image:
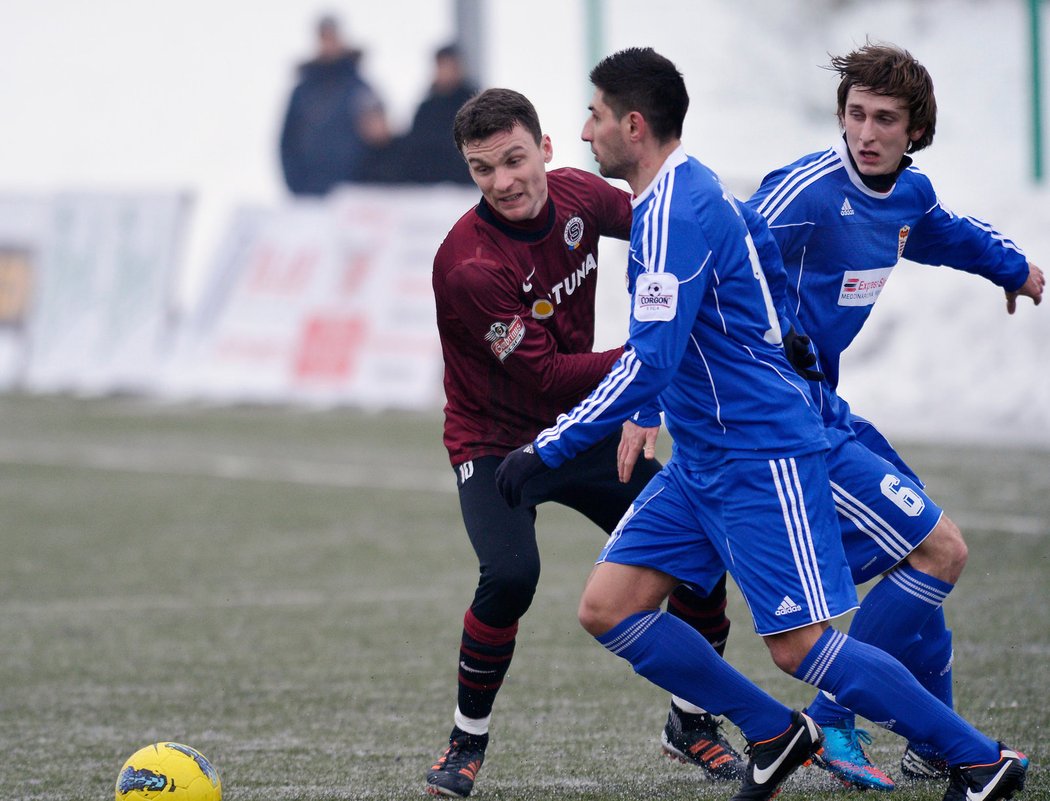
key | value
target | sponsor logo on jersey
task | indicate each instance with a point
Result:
(862, 287)
(574, 232)
(847, 209)
(655, 297)
(574, 280)
(504, 338)
(542, 308)
(902, 239)
(787, 606)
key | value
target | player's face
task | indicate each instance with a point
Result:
(876, 129)
(605, 133)
(510, 169)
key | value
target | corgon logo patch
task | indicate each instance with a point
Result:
(655, 297)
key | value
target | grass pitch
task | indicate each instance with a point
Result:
(283, 590)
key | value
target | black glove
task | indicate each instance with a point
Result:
(516, 468)
(801, 356)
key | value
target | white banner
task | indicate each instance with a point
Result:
(325, 302)
(23, 227)
(101, 312)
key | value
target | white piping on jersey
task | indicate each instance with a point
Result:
(711, 382)
(627, 638)
(796, 522)
(655, 222)
(718, 306)
(819, 669)
(1006, 242)
(805, 395)
(914, 587)
(611, 387)
(795, 181)
(869, 523)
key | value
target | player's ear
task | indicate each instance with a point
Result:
(634, 125)
(548, 149)
(917, 134)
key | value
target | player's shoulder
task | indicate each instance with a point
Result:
(915, 179)
(570, 182)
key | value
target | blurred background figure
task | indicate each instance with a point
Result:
(335, 123)
(430, 155)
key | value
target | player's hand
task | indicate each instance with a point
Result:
(801, 355)
(516, 468)
(1032, 288)
(634, 439)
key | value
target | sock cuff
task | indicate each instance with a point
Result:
(475, 726)
(484, 633)
(920, 585)
(623, 635)
(814, 668)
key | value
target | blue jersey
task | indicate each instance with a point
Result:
(840, 241)
(705, 334)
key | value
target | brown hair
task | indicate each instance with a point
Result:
(889, 70)
(494, 111)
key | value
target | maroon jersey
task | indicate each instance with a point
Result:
(515, 312)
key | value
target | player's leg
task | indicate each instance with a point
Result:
(621, 608)
(886, 517)
(592, 487)
(504, 541)
(798, 556)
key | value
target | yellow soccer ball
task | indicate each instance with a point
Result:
(168, 771)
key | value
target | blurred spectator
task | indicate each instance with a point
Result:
(429, 152)
(335, 121)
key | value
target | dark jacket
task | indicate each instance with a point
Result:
(321, 143)
(430, 154)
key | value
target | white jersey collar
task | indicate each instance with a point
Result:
(842, 150)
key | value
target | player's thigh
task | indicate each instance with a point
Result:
(503, 538)
(660, 531)
(871, 438)
(883, 513)
(778, 531)
(590, 484)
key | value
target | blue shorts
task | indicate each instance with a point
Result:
(771, 523)
(883, 510)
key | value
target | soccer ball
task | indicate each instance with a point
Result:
(168, 771)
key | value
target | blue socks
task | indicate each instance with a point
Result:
(891, 617)
(877, 686)
(672, 655)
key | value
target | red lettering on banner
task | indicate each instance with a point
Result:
(275, 273)
(355, 270)
(328, 347)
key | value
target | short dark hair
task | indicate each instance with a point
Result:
(494, 111)
(640, 79)
(889, 70)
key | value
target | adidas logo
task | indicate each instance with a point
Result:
(847, 209)
(787, 606)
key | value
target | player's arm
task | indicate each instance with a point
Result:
(486, 298)
(972, 246)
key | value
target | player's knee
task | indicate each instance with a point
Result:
(790, 648)
(596, 615)
(943, 554)
(512, 590)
